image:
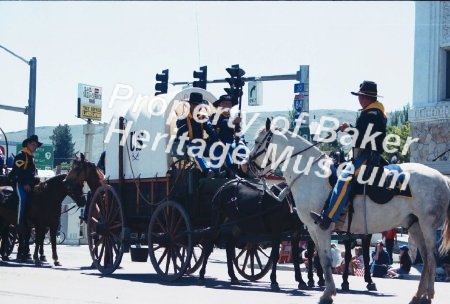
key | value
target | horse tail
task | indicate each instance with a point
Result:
(445, 245)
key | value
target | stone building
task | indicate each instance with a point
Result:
(430, 113)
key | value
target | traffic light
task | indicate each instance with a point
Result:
(201, 76)
(162, 85)
(236, 82)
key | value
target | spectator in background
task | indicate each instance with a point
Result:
(335, 257)
(405, 264)
(390, 239)
(380, 261)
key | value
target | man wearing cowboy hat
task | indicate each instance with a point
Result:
(226, 130)
(23, 177)
(371, 120)
(193, 127)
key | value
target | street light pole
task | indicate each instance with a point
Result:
(32, 97)
(30, 110)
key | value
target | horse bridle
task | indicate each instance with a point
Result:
(252, 165)
(267, 139)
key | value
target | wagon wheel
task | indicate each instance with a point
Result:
(253, 261)
(169, 241)
(198, 256)
(104, 227)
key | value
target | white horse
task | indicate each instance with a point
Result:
(423, 213)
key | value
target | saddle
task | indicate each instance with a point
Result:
(380, 194)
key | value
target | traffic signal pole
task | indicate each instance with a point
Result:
(252, 78)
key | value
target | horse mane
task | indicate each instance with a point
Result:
(50, 183)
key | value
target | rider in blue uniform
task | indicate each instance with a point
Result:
(371, 120)
(194, 130)
(226, 130)
(23, 177)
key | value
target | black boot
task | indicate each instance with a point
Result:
(324, 222)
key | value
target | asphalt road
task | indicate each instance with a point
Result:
(136, 282)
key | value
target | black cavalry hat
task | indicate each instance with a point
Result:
(30, 139)
(196, 98)
(367, 88)
(223, 98)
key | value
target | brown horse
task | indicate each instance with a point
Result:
(84, 171)
(44, 211)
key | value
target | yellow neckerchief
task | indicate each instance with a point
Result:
(189, 125)
(225, 114)
(27, 152)
(375, 105)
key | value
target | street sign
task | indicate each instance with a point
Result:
(89, 102)
(299, 87)
(255, 93)
(298, 105)
(43, 156)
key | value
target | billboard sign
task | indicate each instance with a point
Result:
(89, 102)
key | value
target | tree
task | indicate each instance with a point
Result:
(398, 124)
(62, 141)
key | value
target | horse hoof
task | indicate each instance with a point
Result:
(371, 287)
(37, 263)
(311, 283)
(5, 258)
(414, 300)
(326, 301)
(57, 263)
(303, 286)
(274, 286)
(425, 301)
(321, 283)
(345, 286)
(43, 258)
(235, 282)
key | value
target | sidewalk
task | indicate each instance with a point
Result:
(414, 273)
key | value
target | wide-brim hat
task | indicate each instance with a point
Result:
(367, 88)
(223, 98)
(404, 248)
(196, 98)
(32, 138)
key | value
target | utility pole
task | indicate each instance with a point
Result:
(29, 110)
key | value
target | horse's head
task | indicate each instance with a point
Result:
(84, 171)
(259, 150)
(75, 191)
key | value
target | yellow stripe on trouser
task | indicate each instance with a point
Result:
(343, 191)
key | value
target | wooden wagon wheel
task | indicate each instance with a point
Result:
(169, 240)
(253, 261)
(104, 227)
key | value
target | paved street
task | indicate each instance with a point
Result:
(74, 282)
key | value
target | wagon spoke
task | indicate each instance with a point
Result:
(262, 251)
(169, 256)
(164, 254)
(245, 260)
(258, 260)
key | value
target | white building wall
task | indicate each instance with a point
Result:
(430, 113)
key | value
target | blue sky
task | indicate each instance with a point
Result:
(103, 44)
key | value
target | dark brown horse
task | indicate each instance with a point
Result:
(84, 171)
(44, 210)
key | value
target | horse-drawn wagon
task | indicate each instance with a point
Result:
(155, 203)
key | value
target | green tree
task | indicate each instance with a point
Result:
(62, 141)
(398, 124)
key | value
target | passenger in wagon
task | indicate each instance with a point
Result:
(226, 131)
(193, 129)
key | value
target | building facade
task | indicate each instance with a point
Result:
(430, 113)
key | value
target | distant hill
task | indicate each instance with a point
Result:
(44, 133)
